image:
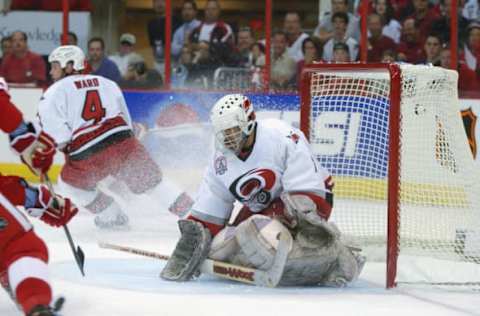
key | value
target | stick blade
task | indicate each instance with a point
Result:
(80, 260)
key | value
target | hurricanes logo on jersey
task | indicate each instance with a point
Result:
(254, 186)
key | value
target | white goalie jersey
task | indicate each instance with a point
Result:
(79, 111)
(280, 161)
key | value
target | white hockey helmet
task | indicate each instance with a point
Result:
(233, 120)
(68, 53)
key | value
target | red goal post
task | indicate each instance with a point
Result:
(374, 126)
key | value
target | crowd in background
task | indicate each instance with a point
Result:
(204, 45)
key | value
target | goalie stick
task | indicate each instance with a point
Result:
(265, 278)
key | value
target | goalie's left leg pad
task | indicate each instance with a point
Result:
(191, 250)
(347, 268)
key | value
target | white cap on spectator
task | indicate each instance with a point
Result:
(128, 38)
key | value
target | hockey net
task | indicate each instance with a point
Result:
(393, 138)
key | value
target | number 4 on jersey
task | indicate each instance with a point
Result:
(93, 109)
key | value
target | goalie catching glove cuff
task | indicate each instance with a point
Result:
(35, 148)
(52, 209)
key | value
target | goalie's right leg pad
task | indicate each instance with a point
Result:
(191, 250)
(257, 238)
(224, 245)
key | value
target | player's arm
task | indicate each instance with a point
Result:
(213, 206)
(35, 147)
(39, 201)
(308, 186)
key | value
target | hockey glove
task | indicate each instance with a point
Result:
(52, 209)
(36, 149)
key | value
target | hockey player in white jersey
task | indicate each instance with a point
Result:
(88, 118)
(267, 166)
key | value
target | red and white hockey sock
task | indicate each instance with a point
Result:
(28, 277)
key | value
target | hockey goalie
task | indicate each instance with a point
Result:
(267, 166)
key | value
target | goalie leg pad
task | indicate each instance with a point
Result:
(224, 245)
(257, 238)
(191, 250)
(347, 269)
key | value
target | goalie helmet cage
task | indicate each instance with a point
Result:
(393, 138)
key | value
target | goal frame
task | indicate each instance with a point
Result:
(393, 183)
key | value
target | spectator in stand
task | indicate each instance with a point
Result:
(200, 73)
(471, 9)
(156, 32)
(72, 38)
(389, 56)
(469, 61)
(401, 9)
(99, 63)
(312, 52)
(391, 27)
(445, 57)
(377, 42)
(341, 53)
(6, 44)
(190, 22)
(410, 48)
(424, 16)
(340, 22)
(23, 65)
(180, 71)
(441, 27)
(433, 48)
(138, 76)
(217, 33)
(293, 28)
(245, 41)
(125, 53)
(471, 51)
(258, 55)
(283, 66)
(324, 31)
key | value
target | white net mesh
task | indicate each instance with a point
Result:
(439, 193)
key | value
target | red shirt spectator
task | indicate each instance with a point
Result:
(312, 52)
(468, 79)
(469, 60)
(424, 16)
(378, 43)
(410, 48)
(22, 65)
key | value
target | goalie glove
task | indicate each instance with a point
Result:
(52, 209)
(36, 149)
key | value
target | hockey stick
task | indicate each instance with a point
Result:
(78, 254)
(266, 278)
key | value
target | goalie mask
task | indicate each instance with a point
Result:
(68, 53)
(233, 120)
